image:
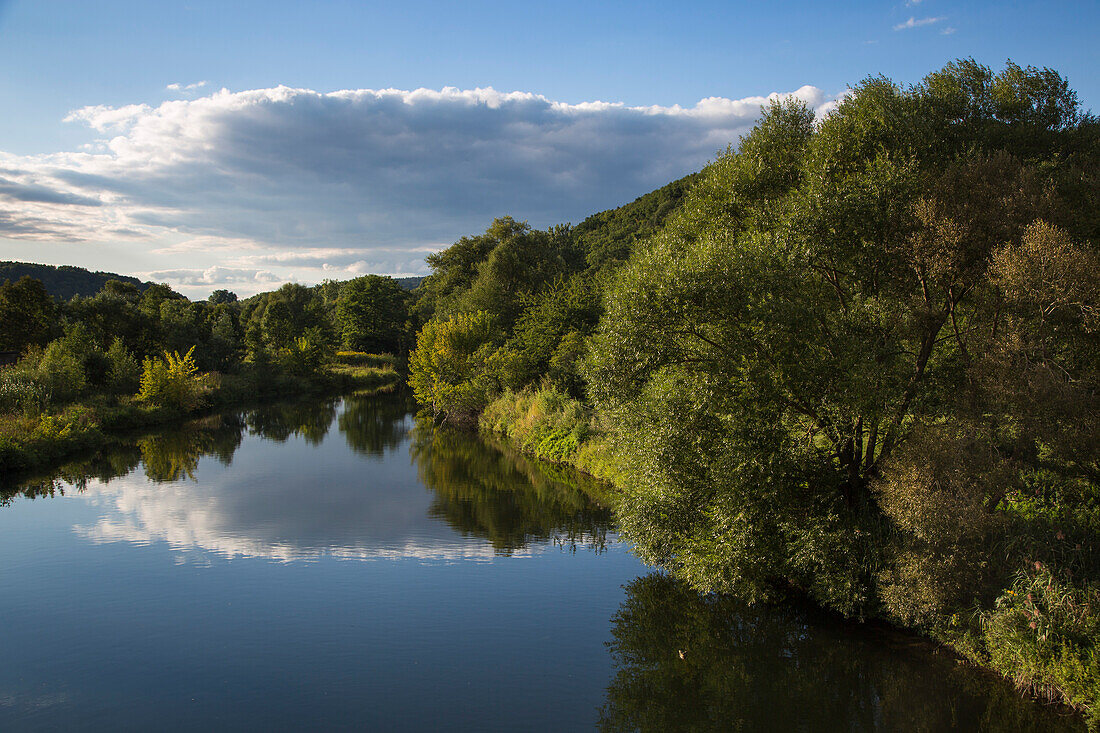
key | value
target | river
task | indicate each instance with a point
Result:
(331, 565)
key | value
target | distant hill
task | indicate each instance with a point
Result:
(409, 283)
(65, 281)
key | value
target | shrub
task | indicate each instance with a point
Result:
(1042, 633)
(123, 370)
(19, 390)
(546, 422)
(171, 382)
(303, 357)
(61, 371)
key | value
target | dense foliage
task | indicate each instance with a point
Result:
(371, 314)
(859, 360)
(541, 291)
(114, 359)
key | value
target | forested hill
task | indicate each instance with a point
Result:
(608, 237)
(65, 281)
(409, 283)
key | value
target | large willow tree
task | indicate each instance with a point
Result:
(915, 269)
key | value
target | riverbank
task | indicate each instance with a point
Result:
(224, 531)
(34, 441)
(1040, 633)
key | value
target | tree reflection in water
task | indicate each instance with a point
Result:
(687, 661)
(490, 491)
(481, 489)
(173, 455)
(373, 423)
(105, 466)
(309, 419)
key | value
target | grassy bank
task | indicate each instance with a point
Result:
(31, 439)
(552, 426)
(1039, 631)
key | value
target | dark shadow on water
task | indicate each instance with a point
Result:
(691, 662)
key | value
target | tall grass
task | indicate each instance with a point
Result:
(551, 425)
(1042, 633)
(360, 358)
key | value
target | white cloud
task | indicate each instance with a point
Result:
(917, 23)
(948, 31)
(342, 181)
(102, 118)
(178, 87)
(210, 518)
(827, 108)
(215, 275)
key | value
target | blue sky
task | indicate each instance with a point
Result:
(107, 166)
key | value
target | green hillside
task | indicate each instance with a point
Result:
(65, 281)
(608, 237)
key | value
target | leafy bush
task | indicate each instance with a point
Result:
(123, 370)
(171, 382)
(61, 370)
(303, 357)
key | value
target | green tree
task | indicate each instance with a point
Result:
(371, 314)
(115, 312)
(123, 371)
(447, 370)
(287, 313)
(219, 297)
(278, 324)
(27, 314)
(225, 342)
(497, 271)
(154, 295)
(824, 290)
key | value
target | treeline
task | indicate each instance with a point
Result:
(856, 358)
(366, 314)
(127, 356)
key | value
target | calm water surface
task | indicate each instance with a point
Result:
(331, 565)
